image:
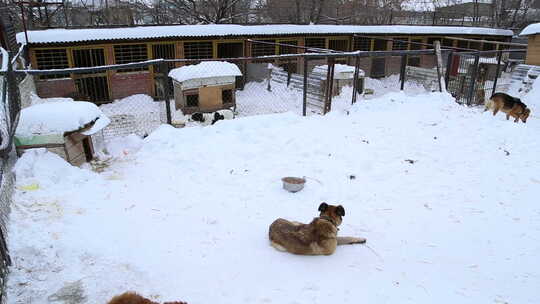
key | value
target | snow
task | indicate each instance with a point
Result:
(206, 69)
(224, 30)
(530, 29)
(57, 117)
(184, 213)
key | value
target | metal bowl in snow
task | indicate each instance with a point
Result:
(293, 184)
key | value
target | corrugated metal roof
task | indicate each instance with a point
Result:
(182, 31)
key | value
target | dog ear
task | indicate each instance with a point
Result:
(340, 210)
(323, 206)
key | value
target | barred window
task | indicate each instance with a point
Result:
(380, 45)
(130, 53)
(338, 45)
(319, 43)
(474, 45)
(448, 43)
(199, 50)
(416, 44)
(288, 49)
(49, 59)
(227, 96)
(192, 100)
(263, 49)
(489, 46)
(362, 44)
(400, 44)
(463, 44)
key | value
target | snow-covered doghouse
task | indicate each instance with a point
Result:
(205, 87)
(343, 76)
(65, 128)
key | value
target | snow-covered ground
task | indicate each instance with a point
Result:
(446, 195)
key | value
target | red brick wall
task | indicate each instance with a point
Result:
(55, 88)
(126, 84)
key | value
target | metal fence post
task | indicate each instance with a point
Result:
(438, 57)
(166, 86)
(499, 57)
(402, 71)
(304, 103)
(449, 63)
(356, 79)
(329, 85)
(473, 79)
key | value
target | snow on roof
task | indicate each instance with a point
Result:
(148, 32)
(60, 117)
(207, 69)
(338, 69)
(531, 29)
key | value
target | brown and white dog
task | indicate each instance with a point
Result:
(134, 298)
(512, 106)
(316, 238)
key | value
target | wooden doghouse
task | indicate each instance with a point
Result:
(64, 128)
(205, 87)
(343, 76)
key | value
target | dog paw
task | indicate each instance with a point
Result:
(358, 241)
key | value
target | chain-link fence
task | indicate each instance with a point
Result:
(472, 77)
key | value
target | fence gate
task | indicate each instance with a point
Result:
(314, 90)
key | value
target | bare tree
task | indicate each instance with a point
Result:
(208, 11)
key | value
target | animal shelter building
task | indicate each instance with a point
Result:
(532, 32)
(72, 48)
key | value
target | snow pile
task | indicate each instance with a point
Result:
(446, 196)
(532, 99)
(530, 29)
(47, 170)
(206, 69)
(137, 114)
(212, 30)
(57, 118)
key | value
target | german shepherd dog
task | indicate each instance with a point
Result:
(134, 298)
(510, 105)
(316, 238)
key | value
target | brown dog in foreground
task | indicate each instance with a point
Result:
(134, 298)
(510, 105)
(316, 238)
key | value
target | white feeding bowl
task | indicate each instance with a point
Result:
(293, 184)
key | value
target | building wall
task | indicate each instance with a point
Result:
(121, 85)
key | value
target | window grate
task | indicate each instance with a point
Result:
(319, 43)
(227, 96)
(129, 54)
(288, 49)
(339, 45)
(192, 100)
(49, 59)
(362, 44)
(400, 44)
(260, 49)
(198, 50)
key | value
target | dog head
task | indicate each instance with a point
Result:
(217, 116)
(525, 114)
(197, 117)
(335, 213)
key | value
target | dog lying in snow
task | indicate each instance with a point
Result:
(133, 298)
(512, 106)
(316, 238)
(211, 118)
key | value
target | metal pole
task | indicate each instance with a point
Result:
(166, 81)
(499, 57)
(304, 103)
(356, 79)
(449, 63)
(330, 85)
(24, 23)
(473, 79)
(403, 71)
